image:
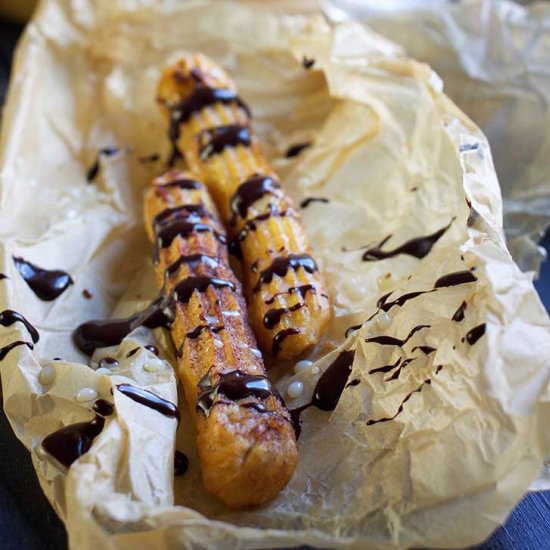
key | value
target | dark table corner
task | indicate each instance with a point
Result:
(27, 521)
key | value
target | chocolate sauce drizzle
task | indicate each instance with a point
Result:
(281, 265)
(384, 305)
(280, 337)
(103, 408)
(215, 140)
(149, 399)
(8, 317)
(132, 352)
(153, 349)
(6, 349)
(273, 317)
(93, 171)
(107, 363)
(194, 260)
(328, 389)
(160, 313)
(300, 291)
(175, 224)
(391, 341)
(306, 202)
(46, 284)
(181, 463)
(71, 442)
(181, 183)
(196, 332)
(419, 247)
(386, 368)
(201, 97)
(251, 191)
(451, 279)
(295, 150)
(233, 385)
(459, 314)
(251, 225)
(456, 278)
(401, 406)
(473, 335)
(110, 332)
(397, 372)
(424, 349)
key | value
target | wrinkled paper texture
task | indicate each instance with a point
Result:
(395, 157)
(494, 57)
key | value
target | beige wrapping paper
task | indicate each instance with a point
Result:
(395, 157)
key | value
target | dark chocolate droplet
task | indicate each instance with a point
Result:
(386, 368)
(87, 294)
(153, 349)
(168, 215)
(258, 407)
(352, 329)
(6, 349)
(110, 332)
(250, 191)
(46, 284)
(459, 314)
(273, 316)
(472, 336)
(181, 227)
(196, 332)
(384, 305)
(194, 260)
(215, 140)
(280, 337)
(202, 96)
(300, 291)
(149, 399)
(424, 349)
(330, 386)
(395, 375)
(233, 385)
(132, 352)
(391, 341)
(103, 408)
(281, 265)
(108, 363)
(419, 247)
(308, 62)
(185, 289)
(306, 202)
(93, 171)
(457, 278)
(8, 317)
(181, 463)
(71, 442)
(295, 150)
(401, 406)
(328, 389)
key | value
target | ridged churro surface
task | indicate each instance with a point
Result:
(245, 439)
(210, 127)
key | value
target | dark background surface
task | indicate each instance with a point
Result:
(28, 522)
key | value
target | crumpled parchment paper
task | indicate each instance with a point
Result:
(395, 156)
(494, 57)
